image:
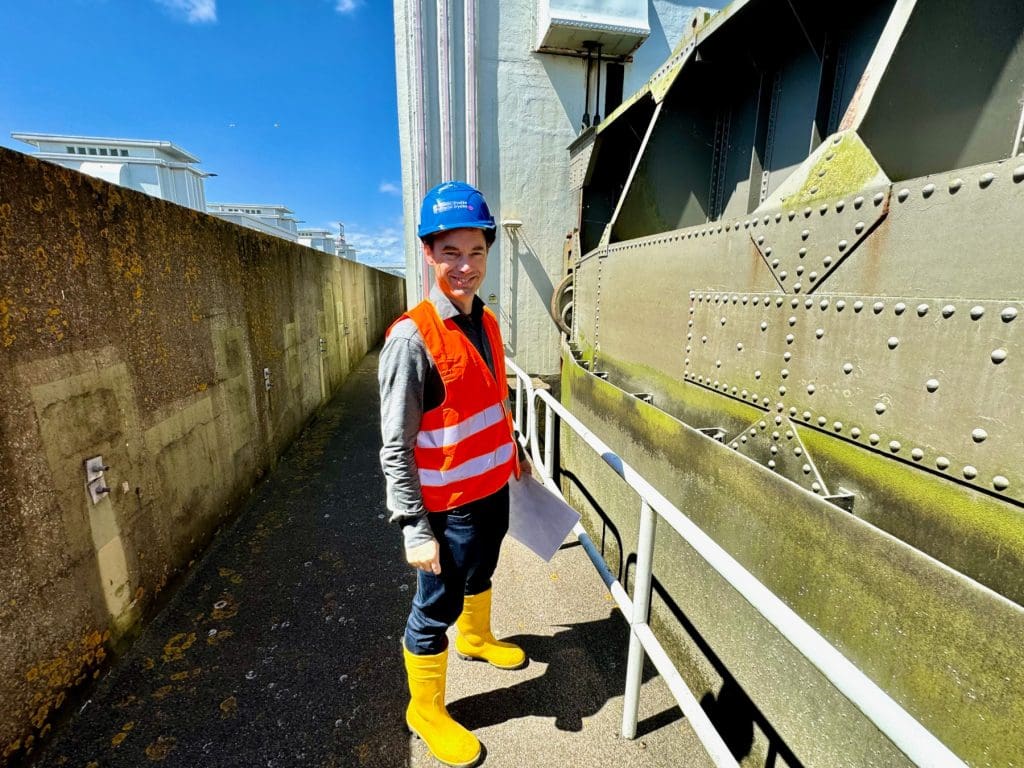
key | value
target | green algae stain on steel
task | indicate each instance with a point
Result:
(931, 512)
(842, 169)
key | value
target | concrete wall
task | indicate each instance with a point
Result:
(138, 330)
(529, 109)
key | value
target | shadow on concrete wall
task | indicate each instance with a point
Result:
(524, 256)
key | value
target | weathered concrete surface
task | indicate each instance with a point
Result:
(139, 331)
(282, 648)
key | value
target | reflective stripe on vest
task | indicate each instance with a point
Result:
(467, 469)
(453, 433)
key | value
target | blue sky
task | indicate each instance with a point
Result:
(288, 101)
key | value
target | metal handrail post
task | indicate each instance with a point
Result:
(534, 440)
(519, 405)
(641, 609)
(549, 442)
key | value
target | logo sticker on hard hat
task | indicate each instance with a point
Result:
(448, 205)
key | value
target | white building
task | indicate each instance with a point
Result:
(323, 239)
(318, 238)
(276, 220)
(164, 170)
(494, 93)
(157, 168)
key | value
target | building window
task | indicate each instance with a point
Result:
(103, 151)
(124, 153)
(71, 150)
(92, 150)
(81, 150)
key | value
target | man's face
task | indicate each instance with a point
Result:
(459, 259)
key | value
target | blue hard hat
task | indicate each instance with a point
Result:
(454, 205)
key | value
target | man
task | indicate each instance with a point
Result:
(449, 452)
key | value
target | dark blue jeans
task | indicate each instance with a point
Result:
(469, 539)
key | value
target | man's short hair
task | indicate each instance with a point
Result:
(489, 236)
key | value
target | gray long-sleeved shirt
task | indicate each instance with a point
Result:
(409, 386)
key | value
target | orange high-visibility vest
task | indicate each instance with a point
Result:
(465, 449)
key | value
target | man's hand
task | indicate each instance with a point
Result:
(425, 556)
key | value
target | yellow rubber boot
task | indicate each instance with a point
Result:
(475, 640)
(427, 717)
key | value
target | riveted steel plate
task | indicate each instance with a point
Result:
(938, 384)
(584, 310)
(915, 409)
(579, 160)
(649, 302)
(952, 234)
(804, 246)
(774, 442)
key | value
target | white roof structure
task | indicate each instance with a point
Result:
(268, 209)
(173, 151)
(154, 167)
(270, 218)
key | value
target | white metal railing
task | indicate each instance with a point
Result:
(908, 735)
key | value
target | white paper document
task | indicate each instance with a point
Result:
(537, 517)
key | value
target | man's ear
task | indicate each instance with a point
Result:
(428, 253)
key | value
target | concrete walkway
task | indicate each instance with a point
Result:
(281, 648)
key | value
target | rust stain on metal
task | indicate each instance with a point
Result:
(851, 112)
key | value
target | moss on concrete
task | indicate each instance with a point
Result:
(113, 306)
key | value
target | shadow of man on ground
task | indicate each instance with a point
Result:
(586, 666)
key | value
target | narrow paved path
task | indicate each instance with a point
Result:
(281, 648)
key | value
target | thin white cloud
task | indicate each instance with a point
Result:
(382, 246)
(389, 188)
(347, 6)
(194, 11)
